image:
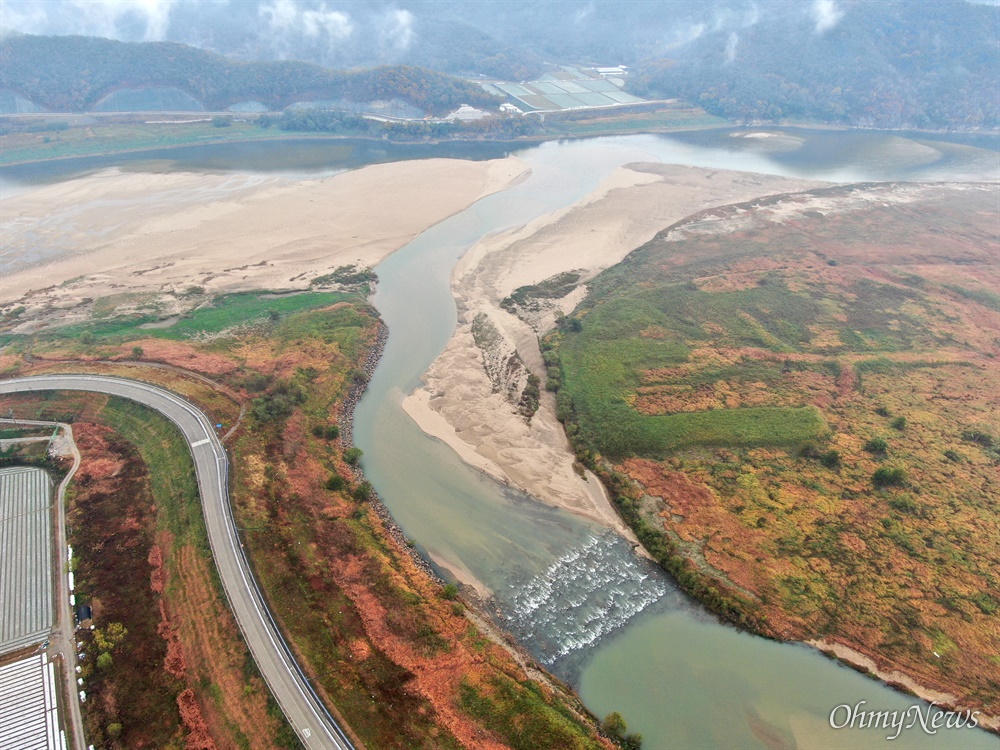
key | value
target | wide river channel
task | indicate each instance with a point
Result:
(607, 622)
(610, 624)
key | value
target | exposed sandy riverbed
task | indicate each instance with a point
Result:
(459, 403)
(115, 231)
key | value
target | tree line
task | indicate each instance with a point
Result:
(72, 73)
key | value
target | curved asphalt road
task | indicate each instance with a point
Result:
(312, 722)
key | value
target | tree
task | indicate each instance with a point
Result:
(137, 352)
(614, 725)
(109, 638)
(104, 661)
(352, 456)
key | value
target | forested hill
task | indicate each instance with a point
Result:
(886, 64)
(71, 73)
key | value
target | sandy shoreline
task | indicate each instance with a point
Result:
(900, 680)
(114, 232)
(461, 405)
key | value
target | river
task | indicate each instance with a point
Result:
(612, 625)
(607, 622)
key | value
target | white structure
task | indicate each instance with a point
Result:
(28, 707)
(25, 558)
(465, 113)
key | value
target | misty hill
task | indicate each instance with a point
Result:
(878, 64)
(892, 63)
(72, 73)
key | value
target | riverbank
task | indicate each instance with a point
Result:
(115, 232)
(461, 405)
(900, 680)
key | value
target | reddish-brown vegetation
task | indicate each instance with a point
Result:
(885, 315)
(368, 624)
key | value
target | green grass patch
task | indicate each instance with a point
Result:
(226, 311)
(522, 716)
(124, 137)
(171, 469)
(634, 329)
(984, 297)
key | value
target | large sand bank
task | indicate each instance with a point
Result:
(459, 403)
(116, 231)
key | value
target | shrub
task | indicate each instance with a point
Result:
(363, 491)
(899, 423)
(614, 725)
(256, 382)
(980, 437)
(809, 449)
(325, 432)
(335, 483)
(831, 459)
(352, 456)
(905, 505)
(450, 591)
(953, 456)
(883, 411)
(886, 476)
(877, 446)
(279, 403)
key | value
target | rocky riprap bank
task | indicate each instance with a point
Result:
(346, 422)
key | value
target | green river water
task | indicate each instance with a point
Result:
(612, 625)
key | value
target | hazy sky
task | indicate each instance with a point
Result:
(348, 32)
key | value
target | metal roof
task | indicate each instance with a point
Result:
(25, 558)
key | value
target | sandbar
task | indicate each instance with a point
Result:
(115, 231)
(459, 403)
